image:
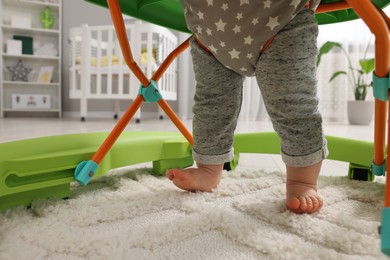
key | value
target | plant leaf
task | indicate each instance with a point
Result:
(325, 48)
(336, 74)
(367, 65)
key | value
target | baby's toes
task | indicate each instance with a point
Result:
(317, 203)
(303, 203)
(309, 204)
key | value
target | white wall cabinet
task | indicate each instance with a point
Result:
(37, 50)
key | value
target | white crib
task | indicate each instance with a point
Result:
(97, 69)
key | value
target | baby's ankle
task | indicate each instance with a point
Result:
(211, 168)
(308, 174)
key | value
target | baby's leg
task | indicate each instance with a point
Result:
(217, 105)
(286, 73)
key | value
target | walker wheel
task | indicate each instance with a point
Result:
(116, 116)
(82, 119)
(229, 166)
(226, 166)
(360, 173)
(137, 120)
(161, 117)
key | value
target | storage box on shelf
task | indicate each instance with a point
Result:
(30, 61)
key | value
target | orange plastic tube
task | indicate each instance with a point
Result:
(324, 8)
(384, 16)
(116, 15)
(378, 26)
(170, 58)
(178, 123)
(120, 28)
(118, 129)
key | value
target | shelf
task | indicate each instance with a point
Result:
(12, 13)
(32, 3)
(22, 83)
(13, 29)
(28, 56)
(31, 110)
(38, 3)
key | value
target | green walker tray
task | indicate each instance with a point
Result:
(44, 167)
(170, 14)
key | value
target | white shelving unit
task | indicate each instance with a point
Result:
(30, 11)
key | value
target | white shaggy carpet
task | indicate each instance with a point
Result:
(139, 216)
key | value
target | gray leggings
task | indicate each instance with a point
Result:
(286, 74)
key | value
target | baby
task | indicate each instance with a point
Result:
(275, 41)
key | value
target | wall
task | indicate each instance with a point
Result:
(76, 13)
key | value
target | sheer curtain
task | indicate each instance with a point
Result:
(355, 37)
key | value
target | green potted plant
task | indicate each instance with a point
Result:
(360, 111)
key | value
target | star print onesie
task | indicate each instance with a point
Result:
(234, 32)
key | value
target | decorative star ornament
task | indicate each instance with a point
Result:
(19, 72)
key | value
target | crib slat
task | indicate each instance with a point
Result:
(149, 48)
(86, 65)
(109, 65)
(117, 82)
(120, 75)
(99, 63)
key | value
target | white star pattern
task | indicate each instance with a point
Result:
(199, 29)
(212, 49)
(242, 2)
(220, 25)
(237, 29)
(225, 7)
(255, 21)
(248, 40)
(267, 4)
(295, 3)
(201, 15)
(273, 22)
(234, 54)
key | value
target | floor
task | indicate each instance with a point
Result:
(21, 128)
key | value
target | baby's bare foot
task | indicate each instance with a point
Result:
(302, 197)
(203, 178)
(301, 189)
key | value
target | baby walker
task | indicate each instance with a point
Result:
(372, 15)
(36, 168)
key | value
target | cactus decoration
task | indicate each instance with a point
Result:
(47, 19)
